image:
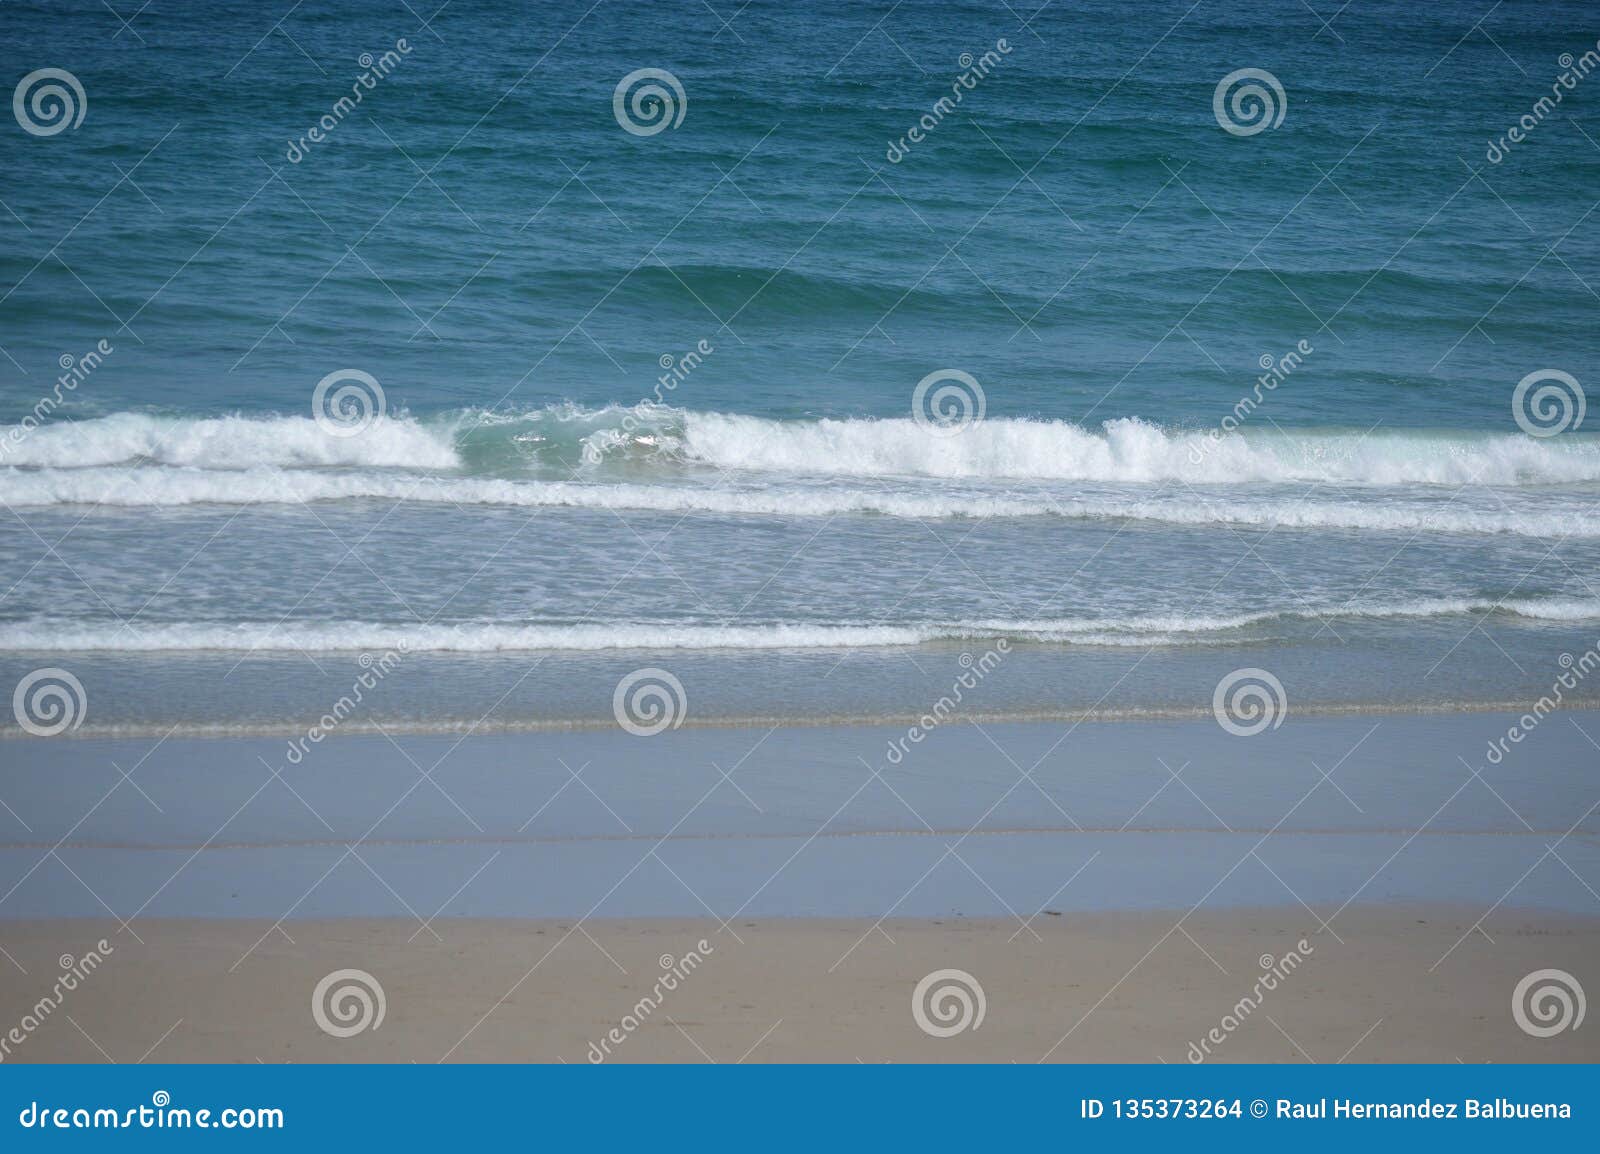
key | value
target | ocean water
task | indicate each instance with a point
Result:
(508, 818)
(770, 394)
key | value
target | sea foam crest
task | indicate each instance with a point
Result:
(231, 442)
(998, 448)
(1128, 449)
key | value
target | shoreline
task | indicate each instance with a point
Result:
(1117, 892)
(1380, 984)
(1134, 716)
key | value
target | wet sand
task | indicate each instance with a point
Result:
(1113, 889)
(1378, 984)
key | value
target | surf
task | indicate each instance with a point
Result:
(1124, 449)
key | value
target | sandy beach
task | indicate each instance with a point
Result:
(1017, 891)
(1417, 984)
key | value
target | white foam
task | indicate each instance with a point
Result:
(134, 487)
(226, 443)
(53, 635)
(1131, 450)
(999, 448)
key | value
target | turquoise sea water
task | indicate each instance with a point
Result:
(1248, 398)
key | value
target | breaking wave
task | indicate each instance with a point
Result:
(226, 443)
(656, 458)
(1129, 449)
(1008, 449)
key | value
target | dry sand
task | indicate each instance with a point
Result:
(1105, 987)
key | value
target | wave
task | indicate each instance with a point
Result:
(140, 487)
(232, 442)
(55, 635)
(1129, 449)
(1001, 449)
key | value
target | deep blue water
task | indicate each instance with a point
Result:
(1079, 234)
(481, 233)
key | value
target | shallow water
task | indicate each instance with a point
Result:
(974, 821)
